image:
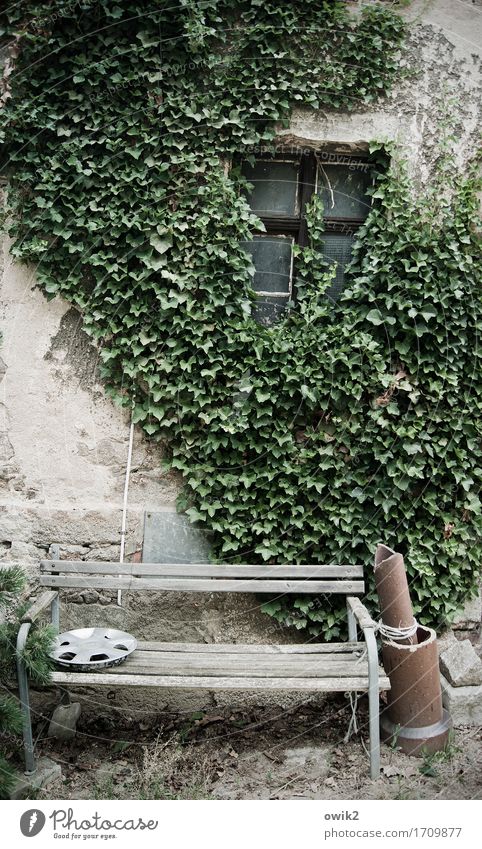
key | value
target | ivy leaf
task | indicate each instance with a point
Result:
(306, 392)
(161, 243)
(427, 312)
(473, 504)
(375, 317)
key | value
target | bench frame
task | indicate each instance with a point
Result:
(204, 578)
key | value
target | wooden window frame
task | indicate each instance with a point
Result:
(296, 225)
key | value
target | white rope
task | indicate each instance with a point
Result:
(395, 634)
(389, 633)
(353, 724)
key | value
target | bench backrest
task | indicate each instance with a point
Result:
(202, 577)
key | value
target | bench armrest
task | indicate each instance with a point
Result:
(35, 609)
(360, 613)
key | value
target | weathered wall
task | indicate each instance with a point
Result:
(442, 67)
(64, 444)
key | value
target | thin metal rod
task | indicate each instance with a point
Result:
(124, 504)
(352, 628)
(55, 612)
(30, 764)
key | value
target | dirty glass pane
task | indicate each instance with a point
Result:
(337, 248)
(275, 189)
(343, 190)
(268, 310)
(272, 260)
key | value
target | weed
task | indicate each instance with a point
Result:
(432, 759)
(394, 740)
(157, 777)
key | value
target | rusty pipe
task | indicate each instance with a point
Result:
(393, 593)
(414, 715)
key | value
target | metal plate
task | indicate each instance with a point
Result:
(171, 538)
(92, 648)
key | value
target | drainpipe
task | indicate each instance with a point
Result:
(414, 719)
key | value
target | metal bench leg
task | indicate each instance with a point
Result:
(352, 628)
(373, 702)
(30, 765)
(55, 613)
(65, 696)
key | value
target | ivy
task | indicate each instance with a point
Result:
(304, 442)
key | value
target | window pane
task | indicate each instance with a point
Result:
(337, 248)
(343, 190)
(272, 259)
(268, 310)
(275, 189)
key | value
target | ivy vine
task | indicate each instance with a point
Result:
(308, 441)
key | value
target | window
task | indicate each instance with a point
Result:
(282, 185)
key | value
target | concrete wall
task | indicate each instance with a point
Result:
(64, 444)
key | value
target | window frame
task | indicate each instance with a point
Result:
(279, 294)
(309, 164)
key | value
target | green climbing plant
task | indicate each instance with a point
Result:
(307, 441)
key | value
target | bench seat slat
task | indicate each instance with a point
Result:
(275, 665)
(326, 685)
(274, 658)
(199, 570)
(210, 585)
(250, 648)
(343, 671)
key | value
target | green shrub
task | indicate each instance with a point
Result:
(35, 657)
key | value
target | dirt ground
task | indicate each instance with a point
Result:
(259, 753)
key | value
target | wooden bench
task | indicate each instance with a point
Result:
(325, 667)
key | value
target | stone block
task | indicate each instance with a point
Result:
(74, 615)
(105, 552)
(42, 526)
(470, 616)
(90, 596)
(464, 704)
(445, 640)
(46, 773)
(64, 721)
(461, 665)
